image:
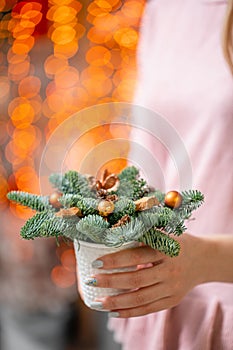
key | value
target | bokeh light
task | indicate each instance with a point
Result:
(54, 61)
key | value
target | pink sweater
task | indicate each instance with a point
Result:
(184, 77)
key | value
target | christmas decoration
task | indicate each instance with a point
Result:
(146, 203)
(113, 210)
(105, 207)
(54, 199)
(173, 199)
(122, 221)
(69, 212)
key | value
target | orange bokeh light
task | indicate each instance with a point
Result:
(29, 87)
(3, 189)
(22, 116)
(18, 71)
(2, 5)
(100, 7)
(103, 5)
(67, 78)
(31, 19)
(64, 14)
(62, 277)
(114, 166)
(126, 37)
(26, 140)
(97, 87)
(22, 47)
(60, 2)
(68, 260)
(63, 35)
(27, 180)
(114, 3)
(54, 64)
(97, 36)
(133, 9)
(14, 58)
(24, 7)
(21, 33)
(106, 22)
(36, 103)
(76, 98)
(21, 212)
(94, 11)
(98, 56)
(67, 50)
(125, 89)
(56, 102)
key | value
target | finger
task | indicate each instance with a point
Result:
(158, 305)
(129, 257)
(128, 280)
(137, 298)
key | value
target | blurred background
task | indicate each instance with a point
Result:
(56, 58)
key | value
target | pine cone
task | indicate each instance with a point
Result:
(122, 221)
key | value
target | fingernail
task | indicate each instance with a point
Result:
(113, 314)
(97, 264)
(96, 305)
(91, 281)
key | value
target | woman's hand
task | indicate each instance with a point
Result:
(160, 282)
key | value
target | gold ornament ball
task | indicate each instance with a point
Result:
(173, 199)
(53, 199)
(105, 207)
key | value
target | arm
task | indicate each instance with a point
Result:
(161, 282)
(218, 259)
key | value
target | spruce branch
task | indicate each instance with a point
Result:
(123, 206)
(72, 182)
(86, 205)
(165, 219)
(131, 231)
(34, 227)
(60, 227)
(33, 201)
(129, 173)
(56, 180)
(71, 228)
(133, 189)
(93, 227)
(170, 221)
(158, 194)
(193, 196)
(161, 241)
(131, 185)
(149, 219)
(192, 200)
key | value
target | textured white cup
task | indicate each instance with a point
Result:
(86, 253)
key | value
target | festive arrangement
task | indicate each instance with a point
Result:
(112, 210)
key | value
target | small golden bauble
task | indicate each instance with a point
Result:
(173, 199)
(105, 207)
(53, 199)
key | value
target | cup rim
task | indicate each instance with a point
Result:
(101, 245)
